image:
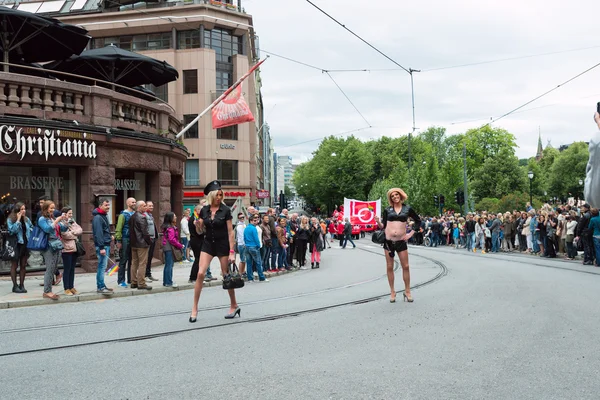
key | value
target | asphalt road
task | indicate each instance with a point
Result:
(487, 326)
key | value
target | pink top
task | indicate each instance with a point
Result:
(171, 235)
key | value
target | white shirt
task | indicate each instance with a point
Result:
(239, 233)
(592, 179)
(185, 228)
(259, 229)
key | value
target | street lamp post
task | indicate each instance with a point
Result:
(530, 176)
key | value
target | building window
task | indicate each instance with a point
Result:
(151, 41)
(228, 133)
(192, 173)
(190, 81)
(224, 78)
(161, 92)
(192, 133)
(188, 39)
(227, 172)
(223, 43)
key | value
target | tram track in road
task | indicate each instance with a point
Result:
(523, 259)
(200, 310)
(443, 270)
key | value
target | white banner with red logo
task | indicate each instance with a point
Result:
(232, 110)
(362, 212)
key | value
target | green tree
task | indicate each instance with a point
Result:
(567, 169)
(485, 143)
(491, 205)
(287, 191)
(513, 201)
(498, 176)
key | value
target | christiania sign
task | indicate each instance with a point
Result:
(24, 141)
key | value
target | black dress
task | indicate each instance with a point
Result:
(216, 238)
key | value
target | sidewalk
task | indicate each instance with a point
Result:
(85, 283)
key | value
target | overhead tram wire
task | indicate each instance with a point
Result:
(325, 72)
(508, 59)
(543, 94)
(324, 137)
(292, 60)
(359, 37)
(348, 98)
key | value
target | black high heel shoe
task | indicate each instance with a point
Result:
(193, 319)
(238, 312)
(408, 298)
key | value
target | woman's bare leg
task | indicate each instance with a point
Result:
(205, 260)
(403, 255)
(389, 263)
(224, 270)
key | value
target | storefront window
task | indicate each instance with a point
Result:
(129, 184)
(27, 184)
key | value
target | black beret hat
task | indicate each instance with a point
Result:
(214, 185)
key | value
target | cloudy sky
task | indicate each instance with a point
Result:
(304, 105)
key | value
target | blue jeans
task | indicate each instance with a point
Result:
(471, 241)
(265, 255)
(184, 242)
(434, 239)
(282, 263)
(536, 245)
(597, 247)
(102, 262)
(168, 270)
(124, 261)
(346, 239)
(275, 249)
(495, 242)
(253, 259)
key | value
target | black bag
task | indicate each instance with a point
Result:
(378, 237)
(233, 279)
(80, 249)
(9, 248)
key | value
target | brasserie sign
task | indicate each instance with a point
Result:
(29, 141)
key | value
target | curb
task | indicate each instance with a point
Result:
(117, 294)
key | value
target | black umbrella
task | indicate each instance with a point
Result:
(119, 66)
(34, 38)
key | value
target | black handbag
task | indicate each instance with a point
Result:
(8, 252)
(80, 249)
(378, 237)
(233, 279)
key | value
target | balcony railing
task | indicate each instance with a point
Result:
(51, 99)
(178, 3)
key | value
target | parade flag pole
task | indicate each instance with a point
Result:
(218, 100)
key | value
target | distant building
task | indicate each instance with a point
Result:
(285, 172)
(540, 149)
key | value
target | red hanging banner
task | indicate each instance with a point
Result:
(232, 110)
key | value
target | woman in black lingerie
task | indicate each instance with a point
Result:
(395, 221)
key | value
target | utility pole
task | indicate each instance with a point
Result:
(465, 177)
(412, 90)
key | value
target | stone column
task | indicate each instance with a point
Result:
(94, 180)
(177, 194)
(153, 180)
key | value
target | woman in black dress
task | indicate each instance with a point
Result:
(395, 221)
(215, 220)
